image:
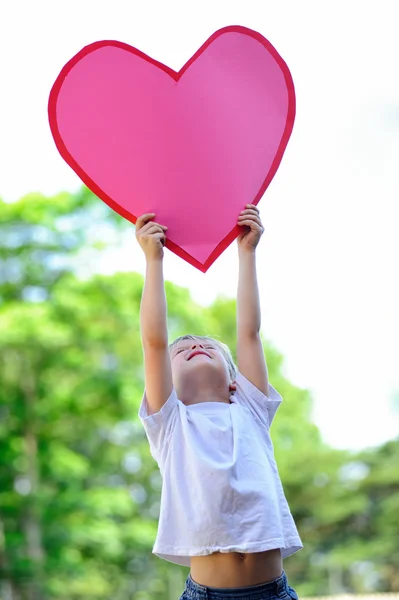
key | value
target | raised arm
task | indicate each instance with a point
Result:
(153, 315)
(250, 356)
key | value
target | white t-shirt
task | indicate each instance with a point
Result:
(221, 490)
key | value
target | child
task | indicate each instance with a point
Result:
(223, 510)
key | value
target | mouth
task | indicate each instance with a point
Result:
(196, 354)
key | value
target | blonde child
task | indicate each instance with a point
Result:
(223, 509)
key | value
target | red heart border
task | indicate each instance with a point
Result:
(233, 234)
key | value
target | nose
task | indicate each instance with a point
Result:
(193, 347)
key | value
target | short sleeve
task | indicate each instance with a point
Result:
(159, 426)
(263, 407)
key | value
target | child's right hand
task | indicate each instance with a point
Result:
(151, 237)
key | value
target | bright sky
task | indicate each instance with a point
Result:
(328, 261)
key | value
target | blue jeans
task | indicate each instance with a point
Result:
(274, 590)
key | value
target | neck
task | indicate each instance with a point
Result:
(194, 394)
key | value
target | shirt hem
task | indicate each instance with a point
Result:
(181, 555)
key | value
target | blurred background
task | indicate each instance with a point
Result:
(79, 491)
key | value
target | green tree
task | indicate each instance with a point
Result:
(79, 490)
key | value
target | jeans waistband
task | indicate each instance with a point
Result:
(195, 591)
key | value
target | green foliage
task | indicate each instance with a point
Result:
(79, 490)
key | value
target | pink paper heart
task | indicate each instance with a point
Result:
(193, 146)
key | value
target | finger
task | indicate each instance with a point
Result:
(250, 211)
(252, 206)
(163, 227)
(143, 219)
(145, 229)
(250, 215)
(251, 223)
(161, 237)
(253, 218)
(153, 228)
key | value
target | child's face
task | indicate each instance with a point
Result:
(194, 360)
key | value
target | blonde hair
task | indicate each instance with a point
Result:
(224, 350)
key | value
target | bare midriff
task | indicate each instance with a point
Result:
(232, 569)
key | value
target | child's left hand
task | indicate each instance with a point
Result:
(253, 229)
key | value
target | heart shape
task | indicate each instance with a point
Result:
(193, 146)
